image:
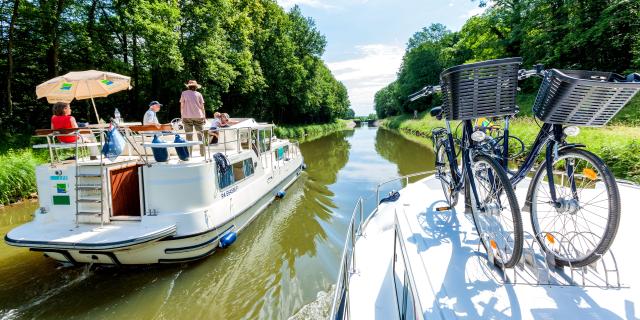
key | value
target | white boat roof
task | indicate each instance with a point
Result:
(453, 280)
(245, 123)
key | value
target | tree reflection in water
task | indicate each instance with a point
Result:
(409, 156)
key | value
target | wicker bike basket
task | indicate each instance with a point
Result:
(582, 98)
(483, 89)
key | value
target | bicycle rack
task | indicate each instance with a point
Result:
(537, 266)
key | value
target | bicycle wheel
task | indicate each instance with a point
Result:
(581, 227)
(498, 221)
(443, 173)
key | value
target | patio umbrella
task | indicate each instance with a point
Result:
(81, 85)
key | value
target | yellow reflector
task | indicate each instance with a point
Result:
(589, 173)
(550, 238)
(493, 243)
(443, 208)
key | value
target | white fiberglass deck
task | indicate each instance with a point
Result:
(453, 279)
(123, 234)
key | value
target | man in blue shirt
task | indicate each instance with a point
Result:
(150, 116)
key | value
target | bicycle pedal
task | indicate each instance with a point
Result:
(443, 208)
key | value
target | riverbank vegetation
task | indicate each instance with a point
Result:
(17, 175)
(303, 132)
(252, 58)
(618, 146)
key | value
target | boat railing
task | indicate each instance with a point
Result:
(79, 146)
(340, 305)
(408, 275)
(357, 224)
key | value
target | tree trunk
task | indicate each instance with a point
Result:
(53, 51)
(136, 71)
(91, 28)
(12, 24)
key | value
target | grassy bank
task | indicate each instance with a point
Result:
(618, 145)
(304, 132)
(17, 175)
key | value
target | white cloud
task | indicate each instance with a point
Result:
(374, 68)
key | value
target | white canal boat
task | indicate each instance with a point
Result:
(409, 260)
(136, 210)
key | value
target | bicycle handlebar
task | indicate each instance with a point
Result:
(424, 92)
(538, 70)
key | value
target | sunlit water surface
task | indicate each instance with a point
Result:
(284, 264)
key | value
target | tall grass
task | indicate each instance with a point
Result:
(17, 175)
(309, 131)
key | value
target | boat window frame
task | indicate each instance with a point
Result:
(408, 286)
(245, 161)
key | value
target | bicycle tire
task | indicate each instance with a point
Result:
(506, 236)
(566, 254)
(444, 174)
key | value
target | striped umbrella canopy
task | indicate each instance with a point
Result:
(81, 85)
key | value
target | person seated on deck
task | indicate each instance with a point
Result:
(150, 117)
(213, 130)
(62, 119)
(226, 121)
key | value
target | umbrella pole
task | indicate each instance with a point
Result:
(95, 110)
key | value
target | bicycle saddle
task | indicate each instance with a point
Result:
(436, 112)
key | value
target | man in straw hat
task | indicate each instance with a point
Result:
(192, 111)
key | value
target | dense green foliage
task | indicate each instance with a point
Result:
(252, 58)
(303, 132)
(17, 176)
(572, 34)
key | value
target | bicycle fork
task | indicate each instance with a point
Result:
(550, 156)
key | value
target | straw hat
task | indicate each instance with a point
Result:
(193, 83)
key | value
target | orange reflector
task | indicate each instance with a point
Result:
(493, 243)
(589, 173)
(443, 208)
(550, 238)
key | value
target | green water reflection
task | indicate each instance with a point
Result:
(277, 266)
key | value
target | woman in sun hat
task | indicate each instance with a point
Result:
(192, 111)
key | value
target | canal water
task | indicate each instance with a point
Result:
(283, 265)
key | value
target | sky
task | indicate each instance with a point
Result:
(366, 39)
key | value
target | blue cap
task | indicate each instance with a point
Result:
(153, 103)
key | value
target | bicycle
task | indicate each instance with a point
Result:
(495, 209)
(573, 199)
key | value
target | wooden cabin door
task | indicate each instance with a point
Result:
(125, 191)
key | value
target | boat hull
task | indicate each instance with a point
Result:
(167, 249)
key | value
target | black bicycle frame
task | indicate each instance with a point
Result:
(467, 144)
(550, 135)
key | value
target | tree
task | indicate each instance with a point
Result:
(10, 36)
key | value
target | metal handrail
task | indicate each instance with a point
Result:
(403, 252)
(343, 278)
(348, 252)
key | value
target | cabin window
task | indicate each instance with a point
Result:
(239, 170)
(225, 179)
(248, 167)
(264, 139)
(282, 153)
(404, 290)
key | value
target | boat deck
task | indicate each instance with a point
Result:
(88, 236)
(454, 279)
